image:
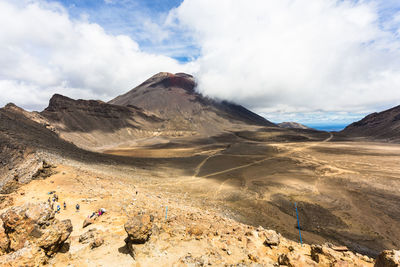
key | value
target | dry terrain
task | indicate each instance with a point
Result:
(347, 192)
(225, 173)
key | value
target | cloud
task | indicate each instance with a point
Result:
(288, 59)
(295, 55)
(44, 51)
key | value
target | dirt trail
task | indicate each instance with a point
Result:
(284, 146)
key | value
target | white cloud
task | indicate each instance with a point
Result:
(44, 51)
(294, 55)
(280, 58)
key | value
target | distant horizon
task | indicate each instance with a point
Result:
(326, 126)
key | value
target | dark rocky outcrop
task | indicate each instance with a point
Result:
(382, 126)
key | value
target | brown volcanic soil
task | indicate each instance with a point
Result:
(346, 191)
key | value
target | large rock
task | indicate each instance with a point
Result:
(22, 223)
(4, 241)
(29, 256)
(294, 259)
(31, 231)
(88, 236)
(272, 238)
(324, 255)
(388, 258)
(97, 242)
(88, 221)
(138, 229)
(54, 236)
(93, 237)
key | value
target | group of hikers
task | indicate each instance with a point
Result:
(54, 200)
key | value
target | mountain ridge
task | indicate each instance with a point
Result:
(379, 126)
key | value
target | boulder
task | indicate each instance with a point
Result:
(4, 241)
(88, 236)
(88, 221)
(29, 256)
(388, 258)
(138, 229)
(324, 255)
(54, 236)
(22, 223)
(93, 237)
(97, 242)
(195, 230)
(30, 233)
(294, 259)
(272, 238)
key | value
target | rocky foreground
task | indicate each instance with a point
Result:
(137, 230)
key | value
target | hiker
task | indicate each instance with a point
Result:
(58, 208)
(65, 205)
(77, 207)
(101, 211)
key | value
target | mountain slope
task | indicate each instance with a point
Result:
(173, 98)
(383, 126)
(94, 124)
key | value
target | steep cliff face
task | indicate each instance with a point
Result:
(383, 126)
(22, 136)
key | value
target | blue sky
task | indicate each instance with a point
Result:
(138, 18)
(310, 61)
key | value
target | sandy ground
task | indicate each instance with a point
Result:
(347, 193)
